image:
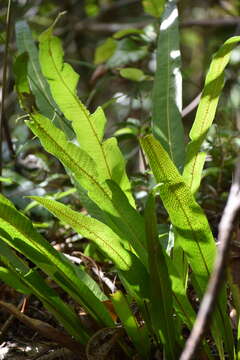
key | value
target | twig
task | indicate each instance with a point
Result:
(46, 330)
(9, 321)
(193, 104)
(61, 353)
(8, 103)
(115, 6)
(8, 137)
(102, 27)
(215, 22)
(210, 297)
(227, 7)
(4, 81)
(108, 27)
(94, 267)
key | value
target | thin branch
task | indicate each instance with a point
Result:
(210, 297)
(8, 138)
(115, 6)
(46, 330)
(193, 104)
(215, 22)
(4, 81)
(9, 321)
(111, 28)
(100, 27)
(228, 7)
(9, 100)
(52, 354)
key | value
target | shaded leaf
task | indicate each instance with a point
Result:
(34, 284)
(167, 91)
(128, 32)
(10, 278)
(127, 51)
(154, 7)
(137, 334)
(26, 97)
(105, 51)
(133, 74)
(160, 285)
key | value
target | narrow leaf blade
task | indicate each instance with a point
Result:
(122, 219)
(140, 338)
(34, 284)
(17, 231)
(106, 240)
(161, 302)
(38, 83)
(167, 91)
(89, 128)
(190, 223)
(206, 112)
(102, 235)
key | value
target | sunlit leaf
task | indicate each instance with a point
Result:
(39, 85)
(99, 233)
(124, 219)
(206, 113)
(18, 232)
(127, 51)
(191, 225)
(89, 128)
(106, 240)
